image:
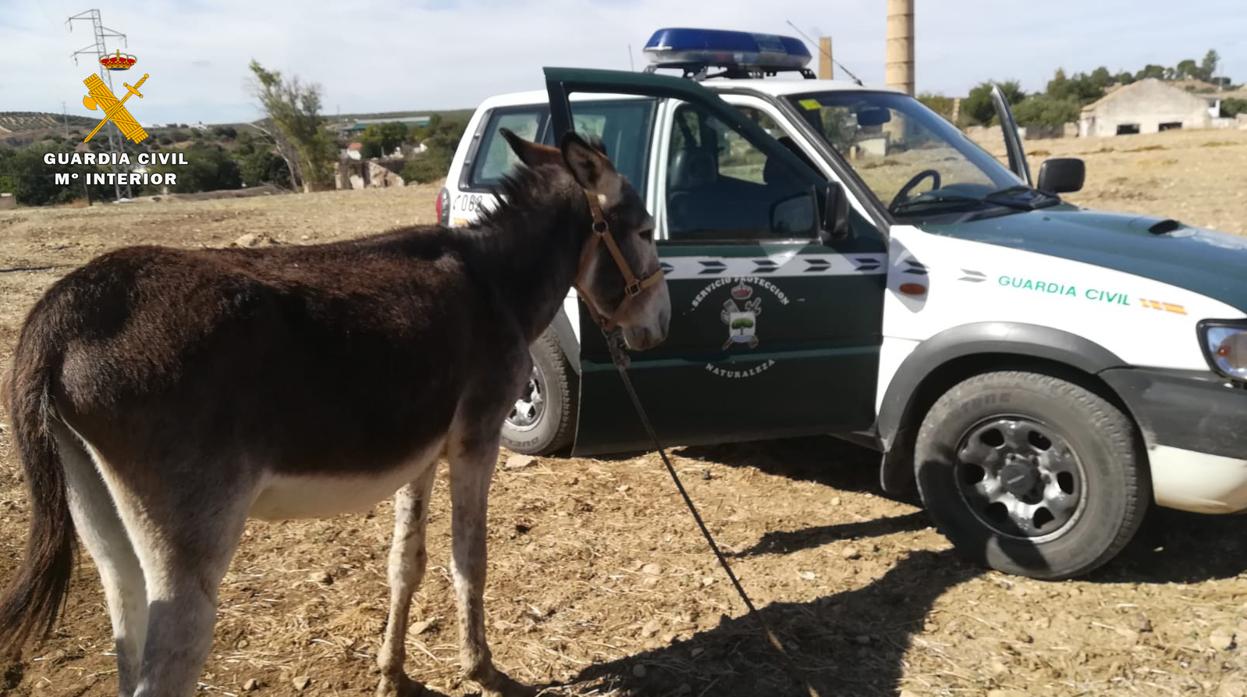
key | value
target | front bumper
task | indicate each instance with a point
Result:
(1195, 429)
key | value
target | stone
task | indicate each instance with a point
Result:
(651, 628)
(1142, 624)
(251, 685)
(424, 625)
(248, 240)
(851, 553)
(300, 683)
(651, 569)
(518, 462)
(807, 575)
(325, 578)
(1221, 639)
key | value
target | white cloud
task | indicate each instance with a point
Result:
(380, 55)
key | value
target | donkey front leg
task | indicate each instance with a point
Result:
(472, 463)
(408, 559)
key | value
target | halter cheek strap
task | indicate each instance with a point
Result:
(633, 286)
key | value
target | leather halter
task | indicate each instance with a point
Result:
(632, 285)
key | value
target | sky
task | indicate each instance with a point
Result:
(402, 55)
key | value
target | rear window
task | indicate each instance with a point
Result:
(624, 127)
(494, 157)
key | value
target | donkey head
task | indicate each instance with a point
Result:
(619, 279)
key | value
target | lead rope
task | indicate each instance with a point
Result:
(614, 341)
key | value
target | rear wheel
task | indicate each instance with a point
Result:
(543, 419)
(1031, 474)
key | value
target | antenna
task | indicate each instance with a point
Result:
(631, 66)
(820, 50)
(98, 50)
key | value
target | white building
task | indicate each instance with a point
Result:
(1147, 106)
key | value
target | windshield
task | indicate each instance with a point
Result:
(914, 160)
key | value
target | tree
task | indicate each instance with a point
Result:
(1187, 69)
(979, 109)
(208, 168)
(1208, 66)
(1151, 70)
(1046, 111)
(382, 139)
(938, 103)
(262, 166)
(293, 110)
(1229, 107)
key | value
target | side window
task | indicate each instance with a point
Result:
(624, 126)
(721, 186)
(493, 156)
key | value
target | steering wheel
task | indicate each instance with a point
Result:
(903, 195)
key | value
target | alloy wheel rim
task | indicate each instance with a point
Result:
(531, 405)
(1020, 478)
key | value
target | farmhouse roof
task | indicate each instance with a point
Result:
(1149, 84)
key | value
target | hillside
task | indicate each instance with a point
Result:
(19, 121)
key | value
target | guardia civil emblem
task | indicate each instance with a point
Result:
(740, 314)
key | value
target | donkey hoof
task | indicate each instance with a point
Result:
(501, 685)
(398, 686)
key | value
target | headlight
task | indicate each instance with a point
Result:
(1225, 346)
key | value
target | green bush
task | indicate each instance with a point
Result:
(261, 166)
(1233, 107)
(427, 167)
(1043, 110)
(208, 168)
(978, 108)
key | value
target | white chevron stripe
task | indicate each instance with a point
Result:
(786, 265)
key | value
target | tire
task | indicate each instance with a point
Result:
(1031, 475)
(544, 420)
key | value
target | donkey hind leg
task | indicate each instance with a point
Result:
(185, 544)
(472, 463)
(408, 560)
(104, 536)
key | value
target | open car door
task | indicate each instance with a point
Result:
(1013, 139)
(775, 324)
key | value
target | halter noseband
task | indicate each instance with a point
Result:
(632, 285)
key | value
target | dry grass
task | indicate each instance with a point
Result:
(600, 582)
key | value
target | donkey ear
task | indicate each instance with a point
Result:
(591, 168)
(530, 153)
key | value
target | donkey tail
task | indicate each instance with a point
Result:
(32, 602)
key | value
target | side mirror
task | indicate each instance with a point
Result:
(1062, 175)
(834, 221)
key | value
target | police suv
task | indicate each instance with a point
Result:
(843, 260)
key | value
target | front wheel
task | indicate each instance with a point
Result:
(1031, 474)
(543, 419)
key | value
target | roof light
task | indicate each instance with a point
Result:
(741, 53)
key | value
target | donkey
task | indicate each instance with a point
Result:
(159, 397)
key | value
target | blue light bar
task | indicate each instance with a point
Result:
(676, 47)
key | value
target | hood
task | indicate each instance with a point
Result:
(1210, 263)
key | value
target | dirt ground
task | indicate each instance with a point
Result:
(599, 583)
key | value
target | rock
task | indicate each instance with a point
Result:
(651, 628)
(322, 577)
(639, 670)
(518, 462)
(807, 575)
(651, 569)
(1142, 624)
(300, 683)
(851, 553)
(250, 685)
(424, 625)
(1221, 639)
(248, 240)
(835, 500)
(706, 581)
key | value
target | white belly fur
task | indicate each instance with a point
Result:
(285, 496)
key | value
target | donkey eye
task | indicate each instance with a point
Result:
(647, 234)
